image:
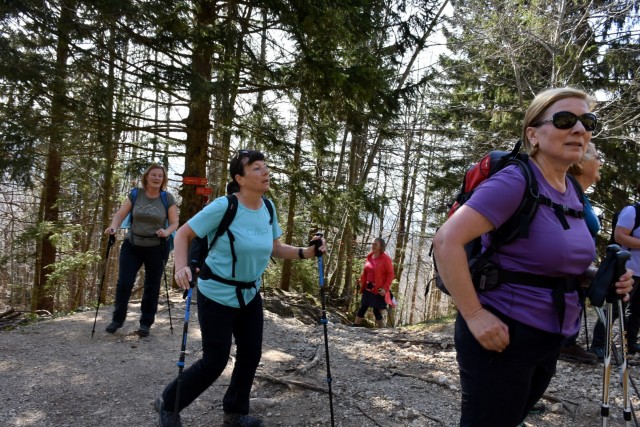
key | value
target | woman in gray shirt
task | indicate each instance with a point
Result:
(154, 216)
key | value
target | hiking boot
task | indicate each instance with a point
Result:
(166, 417)
(599, 352)
(113, 327)
(575, 353)
(143, 330)
(538, 408)
(241, 420)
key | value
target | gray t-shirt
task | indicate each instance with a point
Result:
(149, 215)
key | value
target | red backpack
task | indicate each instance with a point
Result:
(515, 227)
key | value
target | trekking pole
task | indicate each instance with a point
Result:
(183, 347)
(586, 331)
(624, 368)
(603, 319)
(623, 257)
(164, 272)
(111, 241)
(616, 261)
(606, 374)
(323, 319)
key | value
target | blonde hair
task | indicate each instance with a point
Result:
(541, 104)
(590, 154)
(152, 166)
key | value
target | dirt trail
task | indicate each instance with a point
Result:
(55, 375)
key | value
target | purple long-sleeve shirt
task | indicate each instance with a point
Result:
(549, 250)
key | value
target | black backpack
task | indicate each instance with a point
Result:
(200, 247)
(614, 223)
(485, 274)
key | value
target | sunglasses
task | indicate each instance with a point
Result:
(567, 120)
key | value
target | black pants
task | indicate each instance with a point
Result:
(363, 310)
(632, 324)
(218, 323)
(375, 301)
(499, 389)
(131, 259)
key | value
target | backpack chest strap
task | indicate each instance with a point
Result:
(206, 273)
(560, 210)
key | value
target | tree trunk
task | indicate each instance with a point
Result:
(43, 295)
(285, 278)
(421, 245)
(197, 122)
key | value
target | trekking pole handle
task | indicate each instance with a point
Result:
(621, 267)
(192, 266)
(317, 243)
(112, 239)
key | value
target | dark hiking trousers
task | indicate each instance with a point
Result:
(131, 259)
(218, 323)
(499, 389)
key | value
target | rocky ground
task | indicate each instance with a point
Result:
(54, 374)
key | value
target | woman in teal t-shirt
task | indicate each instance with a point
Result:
(229, 301)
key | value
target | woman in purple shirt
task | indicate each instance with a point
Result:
(508, 339)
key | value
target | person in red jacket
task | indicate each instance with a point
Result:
(375, 282)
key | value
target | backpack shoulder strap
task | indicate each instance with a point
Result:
(269, 206)
(227, 218)
(577, 187)
(134, 193)
(561, 210)
(517, 226)
(129, 218)
(165, 202)
(636, 224)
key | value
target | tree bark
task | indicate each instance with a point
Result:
(43, 295)
(285, 279)
(197, 122)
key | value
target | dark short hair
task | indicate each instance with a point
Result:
(236, 167)
(383, 244)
